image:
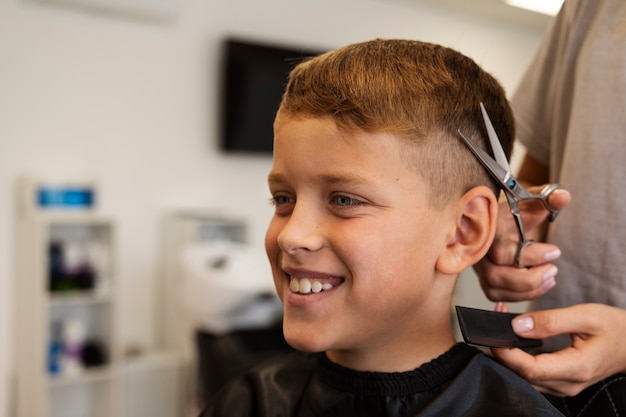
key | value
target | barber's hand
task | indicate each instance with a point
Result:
(597, 350)
(500, 279)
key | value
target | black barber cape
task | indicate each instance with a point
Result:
(461, 382)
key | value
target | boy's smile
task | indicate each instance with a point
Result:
(310, 285)
(353, 244)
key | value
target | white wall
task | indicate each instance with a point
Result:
(133, 103)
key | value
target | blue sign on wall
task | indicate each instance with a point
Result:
(65, 197)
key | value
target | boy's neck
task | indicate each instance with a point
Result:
(416, 351)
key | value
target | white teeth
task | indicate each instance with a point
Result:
(306, 286)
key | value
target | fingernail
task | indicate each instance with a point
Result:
(523, 324)
(552, 255)
(547, 284)
(550, 273)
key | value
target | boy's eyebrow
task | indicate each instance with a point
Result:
(343, 178)
(275, 178)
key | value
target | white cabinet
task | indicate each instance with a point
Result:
(66, 296)
(152, 386)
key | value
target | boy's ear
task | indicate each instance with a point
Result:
(476, 214)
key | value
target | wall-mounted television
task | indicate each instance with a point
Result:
(254, 76)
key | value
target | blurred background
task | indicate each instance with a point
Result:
(124, 100)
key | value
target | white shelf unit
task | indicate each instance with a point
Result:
(92, 391)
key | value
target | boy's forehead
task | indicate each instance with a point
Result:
(331, 158)
(323, 138)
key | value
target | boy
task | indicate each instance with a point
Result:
(378, 207)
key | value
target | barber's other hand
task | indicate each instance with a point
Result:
(500, 279)
(597, 350)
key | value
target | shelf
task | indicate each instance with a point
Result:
(82, 314)
(96, 374)
(79, 298)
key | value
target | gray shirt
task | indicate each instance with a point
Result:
(570, 110)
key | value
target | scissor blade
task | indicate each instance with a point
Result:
(496, 146)
(495, 169)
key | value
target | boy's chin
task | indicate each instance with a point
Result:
(305, 341)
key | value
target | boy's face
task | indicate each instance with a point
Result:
(354, 228)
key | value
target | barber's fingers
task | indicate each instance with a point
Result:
(506, 240)
(499, 278)
(538, 253)
(509, 283)
(582, 319)
(562, 373)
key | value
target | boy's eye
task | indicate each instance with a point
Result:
(279, 199)
(345, 201)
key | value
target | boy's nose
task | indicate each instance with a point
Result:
(301, 232)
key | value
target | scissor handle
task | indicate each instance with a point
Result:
(516, 191)
(518, 252)
(545, 196)
(523, 242)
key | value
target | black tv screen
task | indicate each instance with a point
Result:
(254, 78)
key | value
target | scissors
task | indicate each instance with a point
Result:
(514, 191)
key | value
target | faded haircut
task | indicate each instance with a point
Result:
(418, 91)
